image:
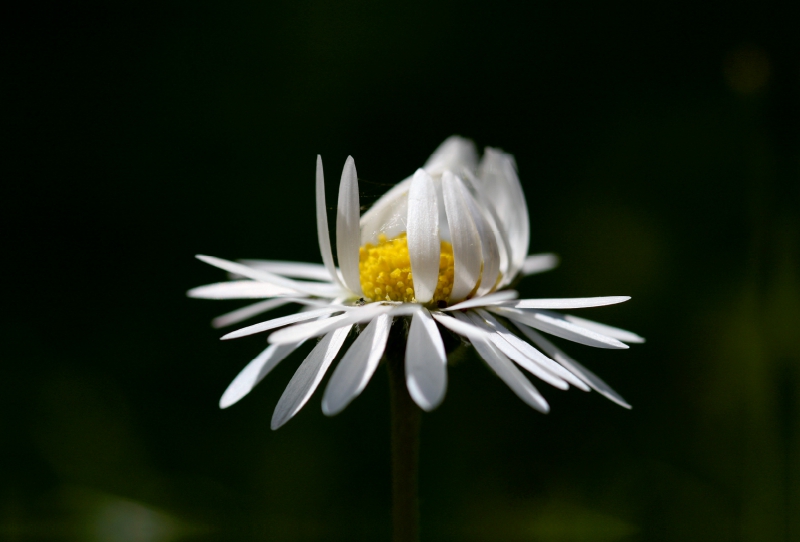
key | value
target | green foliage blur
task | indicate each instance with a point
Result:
(658, 146)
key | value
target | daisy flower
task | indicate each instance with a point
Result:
(439, 250)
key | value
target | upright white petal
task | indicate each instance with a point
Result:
(498, 173)
(615, 332)
(357, 366)
(490, 251)
(426, 363)
(388, 215)
(234, 317)
(308, 376)
(455, 154)
(297, 270)
(568, 303)
(323, 234)
(282, 321)
(558, 326)
(594, 381)
(507, 372)
(310, 288)
(495, 224)
(239, 289)
(539, 263)
(255, 371)
(464, 237)
(423, 236)
(348, 234)
(309, 330)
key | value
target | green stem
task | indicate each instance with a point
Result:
(405, 455)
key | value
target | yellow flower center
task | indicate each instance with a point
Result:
(385, 271)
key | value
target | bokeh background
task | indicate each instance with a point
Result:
(658, 148)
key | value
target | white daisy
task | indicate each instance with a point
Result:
(441, 247)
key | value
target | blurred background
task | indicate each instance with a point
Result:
(658, 148)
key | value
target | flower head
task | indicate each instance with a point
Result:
(440, 248)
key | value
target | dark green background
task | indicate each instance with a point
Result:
(658, 148)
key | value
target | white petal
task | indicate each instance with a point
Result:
(308, 330)
(254, 372)
(282, 321)
(615, 332)
(489, 299)
(323, 234)
(234, 317)
(490, 252)
(508, 372)
(461, 326)
(423, 236)
(388, 215)
(455, 154)
(357, 366)
(495, 225)
(263, 306)
(297, 270)
(539, 263)
(555, 325)
(311, 288)
(498, 173)
(308, 376)
(568, 303)
(531, 353)
(238, 289)
(595, 382)
(464, 237)
(348, 233)
(518, 357)
(426, 363)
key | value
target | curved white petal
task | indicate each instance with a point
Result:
(455, 154)
(297, 270)
(423, 236)
(539, 263)
(323, 234)
(464, 237)
(507, 372)
(490, 253)
(311, 288)
(594, 381)
(254, 372)
(357, 366)
(568, 303)
(238, 289)
(555, 325)
(615, 332)
(308, 376)
(282, 321)
(516, 355)
(489, 299)
(495, 225)
(388, 215)
(426, 363)
(234, 317)
(348, 233)
(498, 173)
(315, 329)
(530, 352)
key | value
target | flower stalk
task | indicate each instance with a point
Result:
(405, 454)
